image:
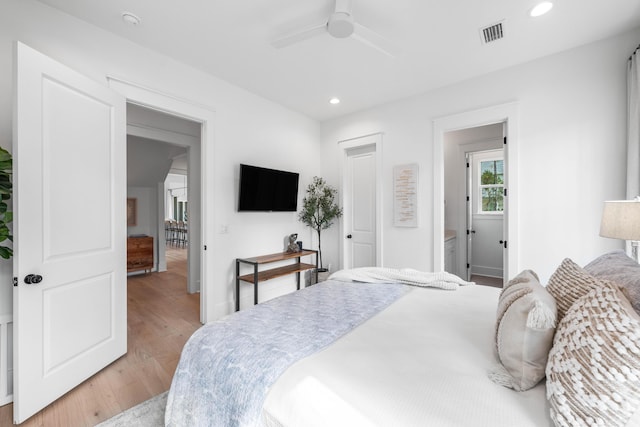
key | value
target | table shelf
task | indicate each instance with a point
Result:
(258, 276)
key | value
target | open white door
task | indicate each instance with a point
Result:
(69, 227)
(469, 212)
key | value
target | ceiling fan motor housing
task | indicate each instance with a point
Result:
(340, 25)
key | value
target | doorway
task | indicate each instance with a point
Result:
(203, 115)
(160, 145)
(474, 175)
(485, 217)
(505, 118)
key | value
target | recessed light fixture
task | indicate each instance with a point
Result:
(334, 101)
(130, 18)
(540, 9)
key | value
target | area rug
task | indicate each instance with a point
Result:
(149, 413)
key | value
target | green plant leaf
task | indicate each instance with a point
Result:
(6, 189)
(5, 252)
(319, 208)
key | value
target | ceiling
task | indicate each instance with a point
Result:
(439, 40)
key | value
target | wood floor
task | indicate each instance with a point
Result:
(161, 317)
(495, 282)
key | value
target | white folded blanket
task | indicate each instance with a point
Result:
(407, 276)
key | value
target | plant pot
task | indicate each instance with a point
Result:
(323, 274)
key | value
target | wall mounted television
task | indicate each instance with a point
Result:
(270, 190)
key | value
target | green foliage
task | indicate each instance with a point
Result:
(492, 173)
(6, 216)
(319, 208)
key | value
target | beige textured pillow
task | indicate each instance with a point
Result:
(568, 283)
(593, 373)
(524, 332)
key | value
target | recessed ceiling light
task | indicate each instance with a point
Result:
(334, 101)
(130, 18)
(540, 9)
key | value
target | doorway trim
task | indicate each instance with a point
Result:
(346, 145)
(170, 104)
(502, 113)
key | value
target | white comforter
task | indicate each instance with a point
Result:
(423, 361)
(407, 276)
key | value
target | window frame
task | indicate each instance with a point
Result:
(478, 159)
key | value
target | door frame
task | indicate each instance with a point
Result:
(374, 140)
(503, 113)
(170, 104)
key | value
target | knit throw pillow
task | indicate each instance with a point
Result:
(524, 332)
(568, 283)
(593, 373)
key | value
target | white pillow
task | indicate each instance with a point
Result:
(524, 332)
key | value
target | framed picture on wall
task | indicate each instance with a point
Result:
(132, 211)
(405, 195)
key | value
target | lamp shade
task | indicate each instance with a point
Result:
(621, 220)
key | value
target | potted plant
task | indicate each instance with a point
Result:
(319, 210)
(6, 216)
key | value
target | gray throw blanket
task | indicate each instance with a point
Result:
(227, 367)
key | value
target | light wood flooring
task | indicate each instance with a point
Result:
(161, 317)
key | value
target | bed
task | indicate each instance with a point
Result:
(351, 353)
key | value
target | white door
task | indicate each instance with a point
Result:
(69, 228)
(469, 210)
(360, 207)
(507, 207)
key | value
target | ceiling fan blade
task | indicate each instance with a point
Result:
(299, 36)
(375, 40)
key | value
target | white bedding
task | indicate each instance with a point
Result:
(423, 361)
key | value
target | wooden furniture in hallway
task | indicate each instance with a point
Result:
(139, 253)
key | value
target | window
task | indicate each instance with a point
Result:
(491, 187)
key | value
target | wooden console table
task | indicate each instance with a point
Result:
(140, 253)
(260, 276)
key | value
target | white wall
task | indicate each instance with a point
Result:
(571, 136)
(248, 129)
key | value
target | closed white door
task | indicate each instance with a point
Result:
(70, 214)
(360, 207)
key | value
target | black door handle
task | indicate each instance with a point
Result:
(32, 279)
(349, 236)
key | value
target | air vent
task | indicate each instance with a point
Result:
(492, 33)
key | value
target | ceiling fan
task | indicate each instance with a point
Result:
(340, 25)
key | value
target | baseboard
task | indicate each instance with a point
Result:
(486, 271)
(6, 359)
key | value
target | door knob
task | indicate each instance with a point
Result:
(32, 279)
(349, 236)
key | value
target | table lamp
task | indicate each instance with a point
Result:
(621, 220)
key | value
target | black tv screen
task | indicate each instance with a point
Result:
(263, 189)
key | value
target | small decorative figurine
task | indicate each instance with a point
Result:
(293, 246)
